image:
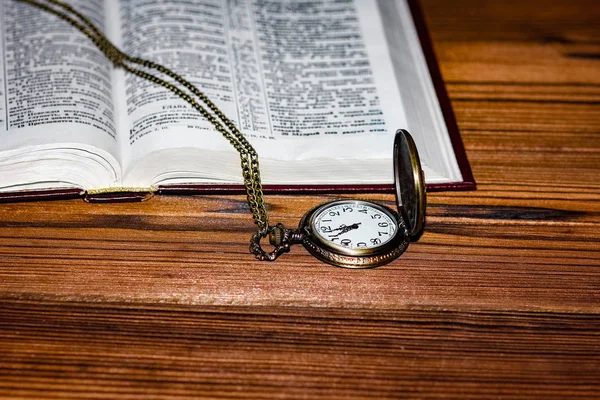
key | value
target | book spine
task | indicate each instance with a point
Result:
(120, 195)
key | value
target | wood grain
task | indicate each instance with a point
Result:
(90, 350)
(500, 298)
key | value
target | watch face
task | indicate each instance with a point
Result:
(354, 225)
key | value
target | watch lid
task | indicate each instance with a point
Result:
(409, 182)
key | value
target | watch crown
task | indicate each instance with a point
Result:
(276, 236)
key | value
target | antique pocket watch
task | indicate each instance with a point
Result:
(358, 233)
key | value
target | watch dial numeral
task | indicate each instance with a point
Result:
(326, 229)
(364, 211)
(383, 224)
(347, 209)
(376, 216)
(376, 241)
(361, 244)
(382, 233)
(334, 213)
(346, 242)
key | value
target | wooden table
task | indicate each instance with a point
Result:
(499, 299)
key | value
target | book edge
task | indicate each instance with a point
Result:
(303, 189)
(40, 195)
(443, 98)
(138, 195)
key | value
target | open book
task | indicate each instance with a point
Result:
(318, 87)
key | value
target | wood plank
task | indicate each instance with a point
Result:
(110, 350)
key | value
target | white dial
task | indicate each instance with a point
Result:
(355, 225)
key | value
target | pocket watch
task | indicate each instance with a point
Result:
(359, 233)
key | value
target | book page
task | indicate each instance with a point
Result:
(297, 77)
(419, 98)
(56, 89)
(56, 84)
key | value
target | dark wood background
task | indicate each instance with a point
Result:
(499, 299)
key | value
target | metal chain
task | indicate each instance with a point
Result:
(248, 156)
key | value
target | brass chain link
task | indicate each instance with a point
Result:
(248, 156)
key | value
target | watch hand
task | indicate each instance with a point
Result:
(343, 226)
(346, 228)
